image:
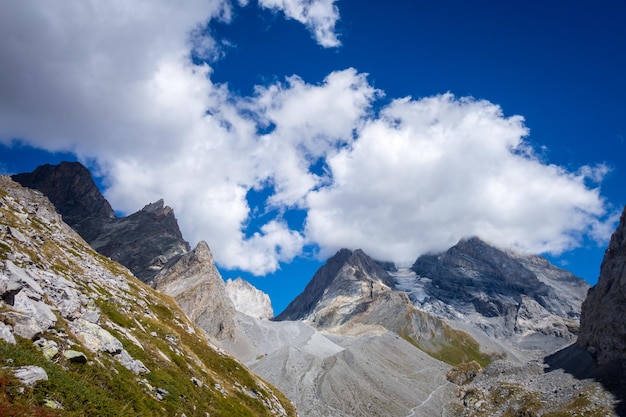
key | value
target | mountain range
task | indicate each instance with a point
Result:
(474, 330)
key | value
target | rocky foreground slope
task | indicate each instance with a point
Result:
(80, 336)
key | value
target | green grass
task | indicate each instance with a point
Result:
(448, 345)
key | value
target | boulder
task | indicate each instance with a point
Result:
(95, 338)
(39, 311)
(6, 334)
(75, 356)
(30, 375)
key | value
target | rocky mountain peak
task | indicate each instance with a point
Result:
(143, 242)
(70, 187)
(197, 286)
(512, 296)
(347, 272)
(248, 299)
(158, 208)
(602, 323)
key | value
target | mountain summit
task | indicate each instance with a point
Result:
(510, 296)
(197, 286)
(143, 242)
(70, 187)
(347, 275)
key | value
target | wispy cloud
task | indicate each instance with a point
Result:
(319, 17)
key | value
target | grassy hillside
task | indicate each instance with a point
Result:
(162, 364)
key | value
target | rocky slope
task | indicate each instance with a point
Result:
(79, 335)
(373, 373)
(587, 378)
(197, 286)
(364, 369)
(352, 293)
(602, 324)
(143, 242)
(248, 299)
(523, 300)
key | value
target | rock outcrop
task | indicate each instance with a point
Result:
(509, 296)
(248, 299)
(143, 242)
(602, 323)
(197, 286)
(101, 341)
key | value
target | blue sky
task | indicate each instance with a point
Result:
(281, 131)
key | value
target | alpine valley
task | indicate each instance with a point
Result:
(105, 315)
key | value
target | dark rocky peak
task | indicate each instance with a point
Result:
(355, 265)
(70, 187)
(513, 296)
(473, 266)
(143, 242)
(602, 322)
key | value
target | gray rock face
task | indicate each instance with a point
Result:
(143, 242)
(198, 288)
(248, 299)
(602, 323)
(519, 298)
(338, 288)
(29, 375)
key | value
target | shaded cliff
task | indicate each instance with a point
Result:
(602, 323)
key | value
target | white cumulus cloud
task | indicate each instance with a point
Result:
(113, 81)
(428, 172)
